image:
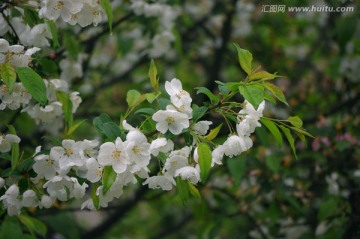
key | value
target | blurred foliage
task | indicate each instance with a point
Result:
(265, 192)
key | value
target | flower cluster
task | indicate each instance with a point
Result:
(82, 12)
(129, 156)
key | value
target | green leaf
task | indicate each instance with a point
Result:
(269, 98)
(271, 126)
(105, 4)
(205, 158)
(67, 107)
(199, 112)
(33, 83)
(274, 163)
(153, 76)
(55, 141)
(150, 97)
(15, 152)
(109, 176)
(193, 190)
(237, 168)
(53, 31)
(74, 127)
(213, 133)
(262, 75)
(94, 196)
(289, 138)
(301, 131)
(104, 124)
(213, 98)
(35, 226)
(253, 93)
(183, 189)
(328, 208)
(295, 121)
(10, 229)
(132, 97)
(31, 17)
(245, 59)
(276, 92)
(72, 46)
(8, 75)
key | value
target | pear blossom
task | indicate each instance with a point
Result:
(161, 145)
(217, 155)
(11, 200)
(114, 154)
(6, 141)
(94, 170)
(19, 97)
(2, 182)
(138, 148)
(173, 163)
(53, 9)
(67, 155)
(235, 145)
(29, 199)
(170, 120)
(45, 166)
(201, 127)
(162, 182)
(178, 96)
(188, 173)
(46, 201)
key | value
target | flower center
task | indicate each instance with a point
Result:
(49, 162)
(68, 151)
(116, 154)
(59, 5)
(99, 172)
(170, 120)
(136, 150)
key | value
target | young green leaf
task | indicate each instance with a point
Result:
(193, 190)
(66, 107)
(150, 97)
(289, 138)
(33, 83)
(199, 112)
(15, 152)
(35, 226)
(75, 127)
(53, 31)
(245, 59)
(132, 97)
(253, 93)
(94, 196)
(153, 76)
(262, 75)
(213, 133)
(109, 176)
(8, 75)
(205, 158)
(183, 189)
(276, 92)
(295, 121)
(213, 98)
(271, 126)
(106, 126)
(105, 4)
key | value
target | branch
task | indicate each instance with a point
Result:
(121, 211)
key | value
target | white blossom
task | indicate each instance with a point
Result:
(11, 200)
(29, 199)
(189, 173)
(45, 166)
(161, 145)
(114, 154)
(6, 141)
(67, 155)
(170, 120)
(201, 127)
(162, 182)
(235, 145)
(178, 96)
